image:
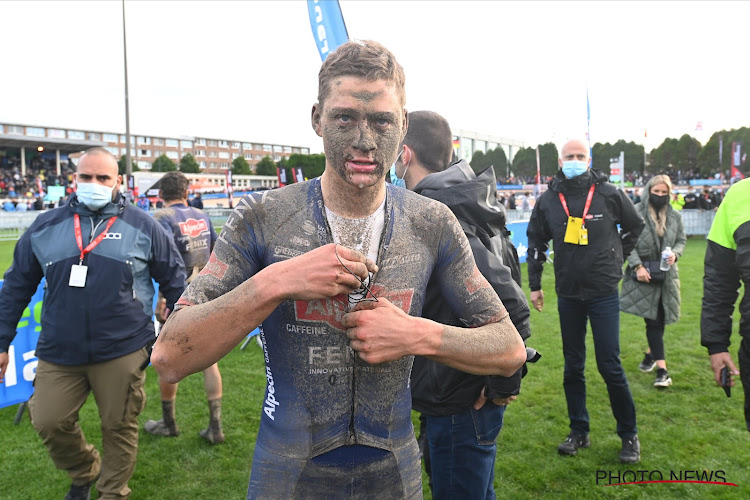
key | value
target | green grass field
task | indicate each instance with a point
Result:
(691, 426)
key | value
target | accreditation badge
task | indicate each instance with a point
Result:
(573, 231)
(583, 236)
(78, 276)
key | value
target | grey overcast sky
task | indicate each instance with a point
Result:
(248, 70)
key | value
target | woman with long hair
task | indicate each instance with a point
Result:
(647, 291)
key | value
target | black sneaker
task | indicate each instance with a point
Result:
(662, 378)
(648, 363)
(573, 442)
(631, 450)
(81, 492)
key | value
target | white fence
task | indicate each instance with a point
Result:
(13, 224)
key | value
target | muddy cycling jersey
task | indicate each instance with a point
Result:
(320, 395)
(192, 232)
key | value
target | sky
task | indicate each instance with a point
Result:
(248, 70)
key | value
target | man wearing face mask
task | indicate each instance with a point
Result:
(98, 255)
(580, 213)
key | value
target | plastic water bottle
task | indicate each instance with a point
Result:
(663, 265)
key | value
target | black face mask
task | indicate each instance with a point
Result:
(658, 201)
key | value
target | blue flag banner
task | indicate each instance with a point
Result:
(519, 238)
(327, 24)
(19, 377)
(22, 360)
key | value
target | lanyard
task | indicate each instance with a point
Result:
(585, 208)
(92, 245)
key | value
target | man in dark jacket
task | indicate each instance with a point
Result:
(727, 262)
(580, 213)
(98, 255)
(459, 457)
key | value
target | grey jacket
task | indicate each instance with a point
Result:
(642, 299)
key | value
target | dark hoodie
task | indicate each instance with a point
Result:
(582, 271)
(437, 389)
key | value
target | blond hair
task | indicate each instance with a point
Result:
(660, 217)
(364, 59)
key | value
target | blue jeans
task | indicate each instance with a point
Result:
(462, 452)
(604, 315)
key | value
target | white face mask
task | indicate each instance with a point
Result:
(94, 195)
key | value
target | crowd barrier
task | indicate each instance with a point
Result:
(13, 225)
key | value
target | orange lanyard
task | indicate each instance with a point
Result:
(97, 240)
(585, 208)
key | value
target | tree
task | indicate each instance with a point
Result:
(494, 157)
(524, 163)
(312, 165)
(479, 161)
(121, 165)
(603, 154)
(188, 165)
(499, 160)
(548, 157)
(708, 158)
(266, 166)
(163, 164)
(240, 166)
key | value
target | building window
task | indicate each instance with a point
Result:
(13, 130)
(225, 165)
(202, 164)
(200, 152)
(277, 158)
(287, 149)
(122, 139)
(212, 164)
(57, 133)
(305, 151)
(186, 144)
(200, 142)
(145, 152)
(110, 138)
(247, 145)
(115, 152)
(277, 149)
(235, 145)
(224, 154)
(158, 141)
(258, 157)
(172, 143)
(76, 134)
(212, 154)
(144, 140)
(144, 165)
(248, 156)
(35, 131)
(123, 151)
(223, 144)
(173, 155)
(93, 136)
(267, 147)
(211, 143)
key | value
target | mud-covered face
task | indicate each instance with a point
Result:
(362, 123)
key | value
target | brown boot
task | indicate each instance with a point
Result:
(167, 426)
(213, 433)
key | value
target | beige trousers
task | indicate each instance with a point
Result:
(60, 392)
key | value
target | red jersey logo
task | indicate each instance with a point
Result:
(332, 310)
(215, 267)
(193, 227)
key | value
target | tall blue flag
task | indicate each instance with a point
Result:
(588, 121)
(327, 24)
